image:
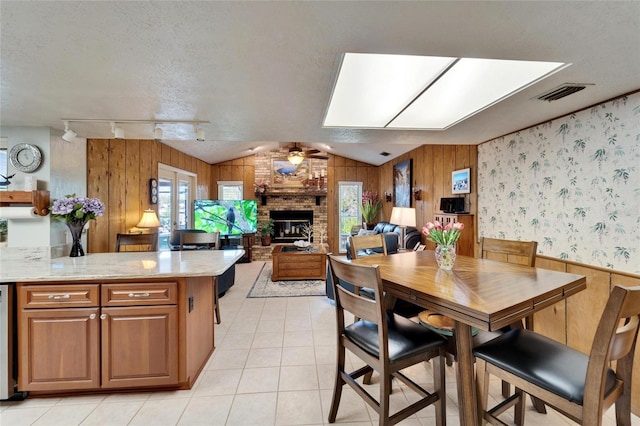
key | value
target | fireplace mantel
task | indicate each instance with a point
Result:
(284, 194)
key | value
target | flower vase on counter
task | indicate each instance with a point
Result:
(75, 228)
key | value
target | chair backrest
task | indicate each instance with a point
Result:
(520, 252)
(343, 271)
(210, 240)
(137, 242)
(615, 340)
(364, 242)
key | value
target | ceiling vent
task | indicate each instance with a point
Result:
(561, 91)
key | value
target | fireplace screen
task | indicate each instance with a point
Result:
(289, 225)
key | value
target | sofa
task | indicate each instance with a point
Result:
(391, 234)
(226, 280)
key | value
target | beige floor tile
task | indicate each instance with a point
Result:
(209, 410)
(351, 409)
(299, 377)
(326, 375)
(159, 412)
(228, 359)
(272, 326)
(236, 341)
(113, 413)
(218, 382)
(297, 338)
(299, 408)
(264, 357)
(298, 356)
(258, 409)
(65, 414)
(255, 380)
(325, 354)
(22, 416)
(267, 340)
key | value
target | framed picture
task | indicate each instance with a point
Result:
(284, 174)
(402, 183)
(461, 181)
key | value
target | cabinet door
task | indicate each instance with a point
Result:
(139, 346)
(58, 349)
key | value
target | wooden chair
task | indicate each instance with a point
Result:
(207, 241)
(137, 242)
(200, 240)
(372, 244)
(387, 343)
(577, 385)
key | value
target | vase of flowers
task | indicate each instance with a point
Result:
(76, 212)
(445, 239)
(371, 206)
(261, 187)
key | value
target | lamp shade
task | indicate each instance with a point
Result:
(295, 158)
(149, 220)
(404, 216)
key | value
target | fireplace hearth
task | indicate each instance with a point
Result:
(289, 224)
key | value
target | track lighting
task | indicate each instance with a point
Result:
(118, 132)
(157, 134)
(199, 134)
(69, 135)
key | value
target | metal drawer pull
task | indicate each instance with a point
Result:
(92, 316)
(138, 294)
(59, 296)
(103, 316)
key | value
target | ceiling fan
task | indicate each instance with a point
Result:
(297, 155)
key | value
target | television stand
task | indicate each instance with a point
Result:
(231, 242)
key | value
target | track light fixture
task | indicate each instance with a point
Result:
(118, 132)
(199, 134)
(157, 134)
(69, 135)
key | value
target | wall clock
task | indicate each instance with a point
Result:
(153, 191)
(25, 157)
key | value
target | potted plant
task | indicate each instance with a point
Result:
(371, 206)
(265, 229)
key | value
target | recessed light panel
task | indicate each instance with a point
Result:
(371, 89)
(424, 92)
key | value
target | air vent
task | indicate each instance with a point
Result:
(561, 91)
(385, 154)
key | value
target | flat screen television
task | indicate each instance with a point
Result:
(452, 205)
(228, 217)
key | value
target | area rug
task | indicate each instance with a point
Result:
(264, 287)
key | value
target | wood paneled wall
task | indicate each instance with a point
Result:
(118, 173)
(241, 169)
(432, 166)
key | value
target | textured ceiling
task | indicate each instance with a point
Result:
(262, 72)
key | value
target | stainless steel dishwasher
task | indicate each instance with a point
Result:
(8, 350)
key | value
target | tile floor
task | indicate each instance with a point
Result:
(273, 365)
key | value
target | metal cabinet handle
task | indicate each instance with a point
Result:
(92, 316)
(103, 316)
(59, 296)
(138, 294)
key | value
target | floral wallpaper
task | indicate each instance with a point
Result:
(572, 184)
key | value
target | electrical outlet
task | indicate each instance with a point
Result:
(190, 303)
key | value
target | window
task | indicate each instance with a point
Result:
(349, 215)
(230, 190)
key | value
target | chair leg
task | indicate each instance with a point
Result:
(506, 389)
(518, 415)
(385, 392)
(440, 387)
(339, 384)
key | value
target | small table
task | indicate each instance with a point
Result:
(292, 263)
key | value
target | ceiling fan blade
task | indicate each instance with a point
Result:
(321, 157)
(312, 151)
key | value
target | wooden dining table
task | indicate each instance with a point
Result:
(479, 293)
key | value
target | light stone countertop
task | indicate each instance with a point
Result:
(132, 265)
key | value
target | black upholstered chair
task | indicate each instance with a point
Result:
(577, 385)
(386, 342)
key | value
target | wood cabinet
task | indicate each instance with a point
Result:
(289, 263)
(91, 336)
(465, 245)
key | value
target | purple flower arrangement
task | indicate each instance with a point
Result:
(74, 209)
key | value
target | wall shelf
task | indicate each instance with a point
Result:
(317, 194)
(38, 199)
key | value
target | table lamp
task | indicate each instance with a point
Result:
(403, 217)
(148, 222)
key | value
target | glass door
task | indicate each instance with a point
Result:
(176, 192)
(349, 215)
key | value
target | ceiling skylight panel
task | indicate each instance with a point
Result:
(371, 88)
(470, 86)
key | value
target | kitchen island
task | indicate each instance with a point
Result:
(115, 321)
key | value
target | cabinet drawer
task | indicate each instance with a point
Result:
(57, 296)
(139, 294)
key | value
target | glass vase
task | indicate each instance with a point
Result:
(445, 256)
(75, 228)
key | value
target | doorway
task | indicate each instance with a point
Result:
(176, 192)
